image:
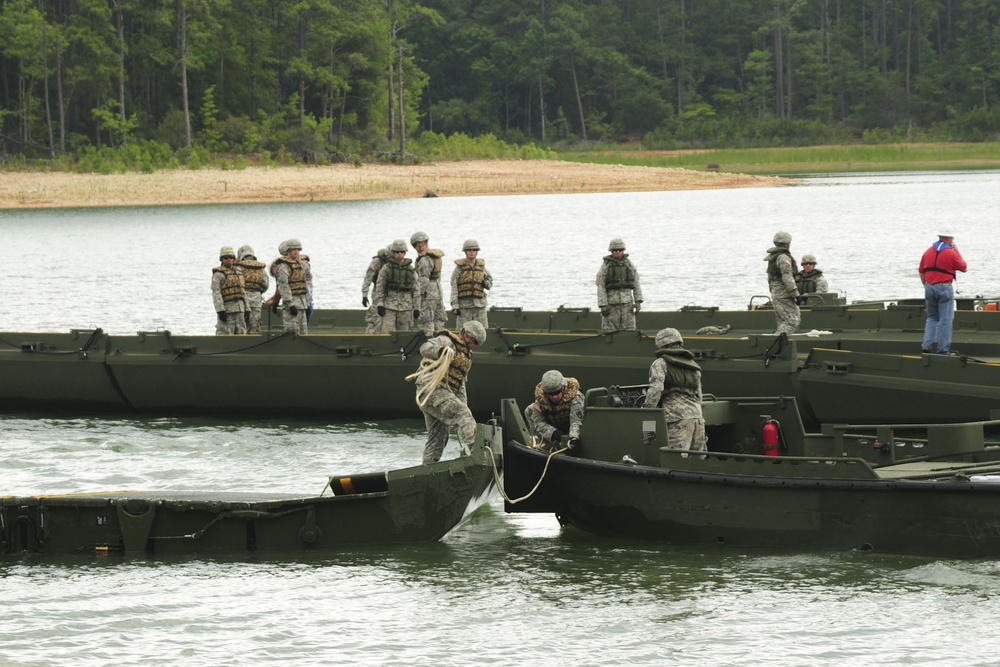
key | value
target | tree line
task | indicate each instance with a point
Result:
(320, 79)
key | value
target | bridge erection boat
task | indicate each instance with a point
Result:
(929, 490)
(418, 504)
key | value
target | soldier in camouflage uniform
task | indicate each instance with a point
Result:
(255, 281)
(229, 295)
(294, 280)
(781, 272)
(447, 405)
(675, 385)
(810, 279)
(428, 267)
(275, 299)
(372, 321)
(396, 297)
(557, 410)
(618, 293)
(470, 280)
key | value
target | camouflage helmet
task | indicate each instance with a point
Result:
(245, 251)
(616, 244)
(292, 244)
(418, 237)
(227, 251)
(470, 244)
(475, 330)
(553, 382)
(283, 248)
(668, 336)
(782, 237)
(808, 259)
(399, 245)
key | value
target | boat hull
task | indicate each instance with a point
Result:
(419, 504)
(640, 502)
(357, 376)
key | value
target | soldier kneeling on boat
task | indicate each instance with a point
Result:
(556, 412)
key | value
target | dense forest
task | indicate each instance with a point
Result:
(325, 79)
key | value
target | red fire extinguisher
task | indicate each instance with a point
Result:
(770, 433)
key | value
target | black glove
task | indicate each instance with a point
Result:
(274, 308)
(246, 317)
(416, 314)
(799, 300)
(556, 436)
(293, 310)
(223, 316)
(574, 443)
(605, 310)
(364, 301)
(457, 311)
(380, 310)
(638, 306)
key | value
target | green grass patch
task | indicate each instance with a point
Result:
(805, 160)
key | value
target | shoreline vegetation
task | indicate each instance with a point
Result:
(345, 182)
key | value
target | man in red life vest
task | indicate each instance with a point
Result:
(938, 267)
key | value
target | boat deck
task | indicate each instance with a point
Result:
(935, 469)
(200, 497)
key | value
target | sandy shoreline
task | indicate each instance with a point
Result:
(22, 190)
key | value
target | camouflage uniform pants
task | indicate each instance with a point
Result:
(787, 314)
(472, 313)
(432, 316)
(253, 326)
(443, 410)
(234, 324)
(373, 323)
(296, 323)
(687, 434)
(621, 318)
(395, 320)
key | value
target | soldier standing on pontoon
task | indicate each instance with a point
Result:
(294, 279)
(811, 280)
(781, 272)
(372, 321)
(470, 280)
(618, 293)
(255, 281)
(396, 298)
(228, 295)
(431, 299)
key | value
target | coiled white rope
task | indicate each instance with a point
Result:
(431, 373)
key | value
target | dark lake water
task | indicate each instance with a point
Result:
(502, 589)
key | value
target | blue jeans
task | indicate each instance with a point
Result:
(940, 300)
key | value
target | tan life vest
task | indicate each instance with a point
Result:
(436, 255)
(297, 277)
(460, 363)
(557, 414)
(232, 288)
(253, 275)
(472, 279)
